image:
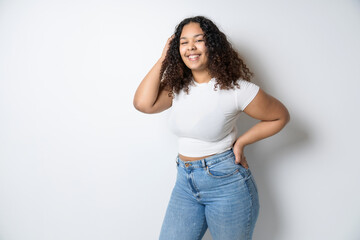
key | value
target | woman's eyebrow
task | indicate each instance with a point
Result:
(197, 35)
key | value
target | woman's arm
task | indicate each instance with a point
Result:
(148, 97)
(273, 115)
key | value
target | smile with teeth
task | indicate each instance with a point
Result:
(194, 57)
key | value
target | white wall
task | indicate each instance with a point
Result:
(77, 161)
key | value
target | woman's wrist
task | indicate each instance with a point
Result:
(239, 143)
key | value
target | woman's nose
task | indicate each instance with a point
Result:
(191, 46)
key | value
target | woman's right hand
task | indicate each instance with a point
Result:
(166, 48)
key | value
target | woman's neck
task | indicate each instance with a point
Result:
(201, 77)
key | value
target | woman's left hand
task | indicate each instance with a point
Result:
(239, 155)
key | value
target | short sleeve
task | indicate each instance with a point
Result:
(245, 94)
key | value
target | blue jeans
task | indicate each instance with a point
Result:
(214, 193)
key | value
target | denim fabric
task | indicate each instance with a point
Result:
(214, 193)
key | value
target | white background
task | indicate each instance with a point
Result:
(77, 161)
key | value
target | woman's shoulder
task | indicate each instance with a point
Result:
(243, 85)
(244, 82)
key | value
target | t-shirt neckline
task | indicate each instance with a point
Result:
(203, 84)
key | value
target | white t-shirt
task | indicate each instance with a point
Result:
(204, 120)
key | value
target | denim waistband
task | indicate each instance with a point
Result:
(208, 161)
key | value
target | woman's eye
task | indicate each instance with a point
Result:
(199, 40)
(183, 43)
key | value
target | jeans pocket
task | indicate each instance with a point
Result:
(223, 168)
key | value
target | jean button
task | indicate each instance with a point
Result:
(187, 164)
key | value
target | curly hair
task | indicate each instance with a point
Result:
(224, 63)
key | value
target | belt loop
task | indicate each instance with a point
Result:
(203, 163)
(177, 161)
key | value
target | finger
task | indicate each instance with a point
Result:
(237, 157)
(171, 38)
(245, 164)
(237, 161)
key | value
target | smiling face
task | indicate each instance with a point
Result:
(192, 47)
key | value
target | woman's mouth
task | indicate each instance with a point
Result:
(193, 57)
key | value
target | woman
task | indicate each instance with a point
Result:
(207, 86)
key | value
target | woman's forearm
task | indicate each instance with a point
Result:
(261, 130)
(147, 92)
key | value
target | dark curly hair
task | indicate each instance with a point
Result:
(224, 63)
